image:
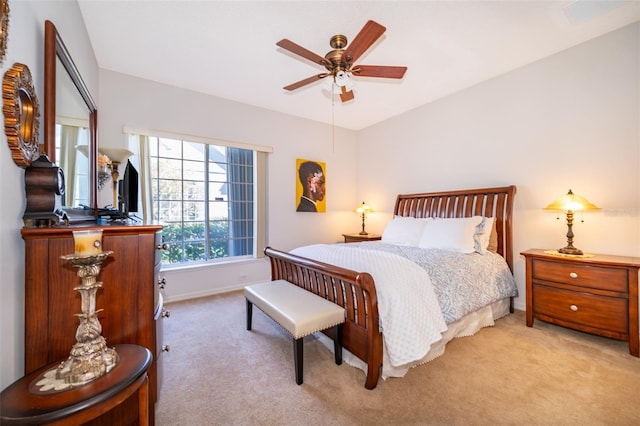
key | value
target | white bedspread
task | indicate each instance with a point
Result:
(409, 331)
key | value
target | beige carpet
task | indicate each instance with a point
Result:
(218, 373)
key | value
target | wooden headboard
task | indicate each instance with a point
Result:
(488, 202)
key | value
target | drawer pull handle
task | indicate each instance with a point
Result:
(163, 246)
(574, 308)
(166, 348)
(166, 314)
(162, 283)
(573, 275)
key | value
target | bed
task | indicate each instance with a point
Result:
(352, 285)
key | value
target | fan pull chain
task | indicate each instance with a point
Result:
(333, 119)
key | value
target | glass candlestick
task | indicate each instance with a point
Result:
(90, 357)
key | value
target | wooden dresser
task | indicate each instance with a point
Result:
(596, 294)
(130, 299)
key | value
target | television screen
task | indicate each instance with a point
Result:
(128, 190)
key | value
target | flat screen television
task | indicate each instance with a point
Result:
(128, 190)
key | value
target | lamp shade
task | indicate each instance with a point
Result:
(117, 155)
(363, 209)
(571, 202)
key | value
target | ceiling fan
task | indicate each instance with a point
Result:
(339, 62)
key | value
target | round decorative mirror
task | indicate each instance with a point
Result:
(4, 27)
(21, 114)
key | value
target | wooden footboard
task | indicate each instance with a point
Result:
(355, 291)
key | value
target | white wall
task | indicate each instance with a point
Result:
(26, 45)
(568, 121)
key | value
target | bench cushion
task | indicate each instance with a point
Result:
(298, 311)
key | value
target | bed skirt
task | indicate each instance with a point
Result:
(468, 325)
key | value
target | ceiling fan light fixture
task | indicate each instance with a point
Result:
(343, 78)
(334, 84)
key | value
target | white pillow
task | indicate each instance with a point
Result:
(404, 231)
(451, 234)
(483, 234)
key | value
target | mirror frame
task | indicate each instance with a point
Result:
(54, 48)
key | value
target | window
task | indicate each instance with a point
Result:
(206, 196)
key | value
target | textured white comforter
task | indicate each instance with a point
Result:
(410, 316)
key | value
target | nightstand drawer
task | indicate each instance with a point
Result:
(612, 279)
(601, 312)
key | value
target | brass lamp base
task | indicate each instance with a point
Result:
(570, 250)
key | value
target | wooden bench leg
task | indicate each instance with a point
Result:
(337, 343)
(249, 313)
(298, 357)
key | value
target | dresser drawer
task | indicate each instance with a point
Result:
(612, 279)
(601, 312)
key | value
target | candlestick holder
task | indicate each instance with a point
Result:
(90, 357)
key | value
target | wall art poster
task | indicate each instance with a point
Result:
(310, 186)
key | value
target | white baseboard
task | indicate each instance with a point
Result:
(208, 292)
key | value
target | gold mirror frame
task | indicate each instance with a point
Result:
(4, 27)
(21, 114)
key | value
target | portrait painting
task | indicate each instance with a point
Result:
(310, 186)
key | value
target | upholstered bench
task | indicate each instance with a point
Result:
(298, 311)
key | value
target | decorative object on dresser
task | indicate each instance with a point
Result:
(596, 294)
(570, 203)
(116, 157)
(21, 114)
(358, 238)
(363, 209)
(44, 188)
(326, 270)
(133, 310)
(90, 356)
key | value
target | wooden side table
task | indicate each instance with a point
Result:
(25, 403)
(595, 293)
(357, 238)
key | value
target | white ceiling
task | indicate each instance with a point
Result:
(228, 48)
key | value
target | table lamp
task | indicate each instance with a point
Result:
(117, 156)
(363, 209)
(570, 203)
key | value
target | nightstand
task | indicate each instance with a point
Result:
(357, 238)
(596, 294)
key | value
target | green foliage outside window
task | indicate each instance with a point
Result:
(188, 240)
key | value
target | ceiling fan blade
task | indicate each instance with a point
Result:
(379, 71)
(346, 96)
(304, 82)
(365, 38)
(301, 51)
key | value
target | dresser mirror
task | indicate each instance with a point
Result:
(70, 123)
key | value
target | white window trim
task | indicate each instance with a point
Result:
(195, 138)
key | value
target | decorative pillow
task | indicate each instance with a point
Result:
(451, 233)
(485, 230)
(404, 231)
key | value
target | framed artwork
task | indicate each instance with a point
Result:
(311, 190)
